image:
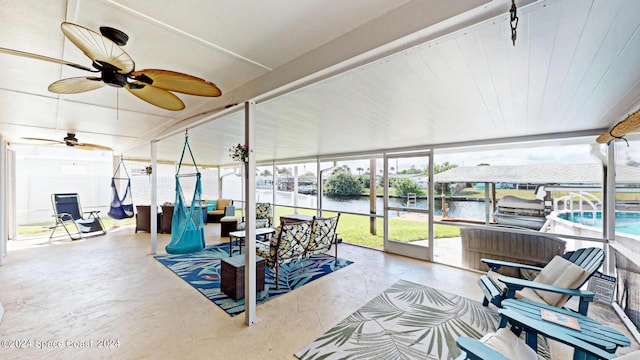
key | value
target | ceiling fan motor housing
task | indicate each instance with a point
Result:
(70, 139)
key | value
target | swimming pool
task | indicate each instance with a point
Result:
(626, 222)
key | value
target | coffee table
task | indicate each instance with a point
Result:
(240, 235)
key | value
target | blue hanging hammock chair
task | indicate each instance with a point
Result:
(121, 208)
(187, 231)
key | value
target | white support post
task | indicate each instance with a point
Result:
(385, 204)
(610, 207)
(153, 209)
(319, 186)
(3, 205)
(3, 200)
(115, 163)
(274, 188)
(295, 188)
(432, 206)
(250, 218)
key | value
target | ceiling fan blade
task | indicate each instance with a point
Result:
(179, 82)
(86, 146)
(41, 139)
(76, 85)
(98, 47)
(45, 58)
(155, 96)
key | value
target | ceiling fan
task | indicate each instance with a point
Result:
(117, 69)
(71, 140)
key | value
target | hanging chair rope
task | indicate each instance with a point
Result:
(121, 208)
(187, 232)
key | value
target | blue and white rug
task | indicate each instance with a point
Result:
(202, 271)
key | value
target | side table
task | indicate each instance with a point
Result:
(590, 331)
(232, 276)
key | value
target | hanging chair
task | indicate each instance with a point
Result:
(187, 231)
(121, 208)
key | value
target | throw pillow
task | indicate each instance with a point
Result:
(211, 205)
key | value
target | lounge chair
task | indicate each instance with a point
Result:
(506, 344)
(69, 215)
(554, 285)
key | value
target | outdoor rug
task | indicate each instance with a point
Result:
(406, 321)
(202, 271)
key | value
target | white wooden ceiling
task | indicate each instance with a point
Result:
(330, 76)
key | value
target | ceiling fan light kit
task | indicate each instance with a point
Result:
(115, 35)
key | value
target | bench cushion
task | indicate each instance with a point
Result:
(494, 277)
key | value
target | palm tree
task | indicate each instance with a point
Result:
(359, 170)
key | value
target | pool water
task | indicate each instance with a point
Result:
(626, 222)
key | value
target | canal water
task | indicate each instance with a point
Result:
(360, 204)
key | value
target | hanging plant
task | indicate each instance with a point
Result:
(240, 153)
(148, 170)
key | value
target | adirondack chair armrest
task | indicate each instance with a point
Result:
(494, 265)
(476, 350)
(515, 284)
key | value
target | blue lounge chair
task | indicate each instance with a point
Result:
(69, 215)
(555, 284)
(506, 344)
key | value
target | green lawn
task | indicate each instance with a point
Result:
(354, 229)
(44, 228)
(351, 228)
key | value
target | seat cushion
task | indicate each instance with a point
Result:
(222, 203)
(259, 224)
(494, 277)
(263, 250)
(530, 294)
(562, 273)
(508, 344)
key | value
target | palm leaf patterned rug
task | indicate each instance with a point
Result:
(202, 271)
(406, 321)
